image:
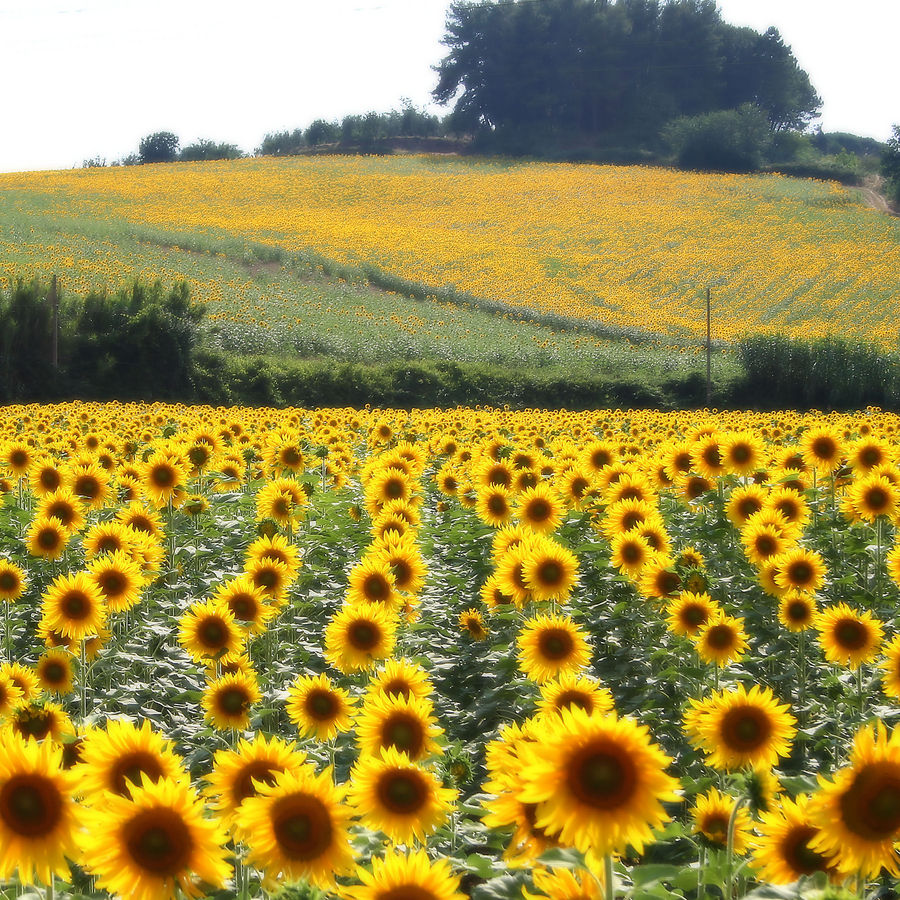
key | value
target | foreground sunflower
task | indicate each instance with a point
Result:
(357, 636)
(318, 708)
(741, 729)
(406, 876)
(154, 843)
(400, 676)
(296, 829)
(598, 781)
(575, 689)
(550, 646)
(37, 814)
(712, 813)
(404, 723)
(209, 629)
(390, 793)
(12, 581)
(847, 637)
(74, 606)
(782, 854)
(721, 639)
(235, 771)
(227, 701)
(858, 811)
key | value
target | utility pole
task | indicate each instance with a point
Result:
(708, 351)
(54, 338)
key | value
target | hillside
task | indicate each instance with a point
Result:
(618, 250)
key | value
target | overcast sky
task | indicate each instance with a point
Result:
(85, 78)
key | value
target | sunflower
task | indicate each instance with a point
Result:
(155, 842)
(120, 756)
(630, 553)
(209, 629)
(359, 635)
(797, 611)
(271, 576)
(689, 612)
(297, 829)
(575, 689)
(235, 771)
(74, 606)
(549, 570)
(404, 723)
(402, 678)
(847, 637)
(494, 505)
(712, 812)
(372, 581)
(38, 823)
(392, 794)
(782, 853)
(276, 547)
(472, 622)
(107, 537)
(90, 483)
(317, 708)
(55, 673)
(800, 569)
(23, 677)
(762, 541)
(12, 581)
(17, 457)
(119, 579)
(406, 875)
(550, 646)
(564, 884)
(510, 574)
(405, 562)
(822, 449)
(10, 695)
(873, 496)
(741, 453)
(659, 578)
(247, 603)
(41, 720)
(162, 477)
(890, 665)
(858, 811)
(47, 538)
(64, 506)
(626, 515)
(739, 729)
(598, 781)
(44, 477)
(227, 701)
(141, 518)
(540, 508)
(492, 594)
(276, 503)
(706, 455)
(721, 640)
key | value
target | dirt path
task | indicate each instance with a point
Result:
(871, 191)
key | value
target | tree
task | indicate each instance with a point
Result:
(206, 149)
(890, 164)
(610, 71)
(162, 146)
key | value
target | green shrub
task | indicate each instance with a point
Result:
(732, 140)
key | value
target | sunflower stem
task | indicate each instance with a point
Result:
(729, 861)
(83, 682)
(50, 893)
(609, 878)
(8, 636)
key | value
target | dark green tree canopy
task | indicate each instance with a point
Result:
(162, 146)
(599, 67)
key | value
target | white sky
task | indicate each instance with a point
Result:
(84, 78)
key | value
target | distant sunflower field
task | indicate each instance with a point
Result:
(385, 655)
(625, 249)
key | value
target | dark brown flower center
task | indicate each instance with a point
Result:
(402, 791)
(363, 635)
(302, 826)
(850, 634)
(130, 767)
(30, 805)
(555, 643)
(871, 805)
(321, 704)
(601, 775)
(159, 841)
(404, 732)
(745, 729)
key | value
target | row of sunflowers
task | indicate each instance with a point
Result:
(421, 655)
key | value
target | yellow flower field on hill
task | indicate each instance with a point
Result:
(628, 247)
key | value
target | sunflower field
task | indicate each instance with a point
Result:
(384, 655)
(626, 248)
